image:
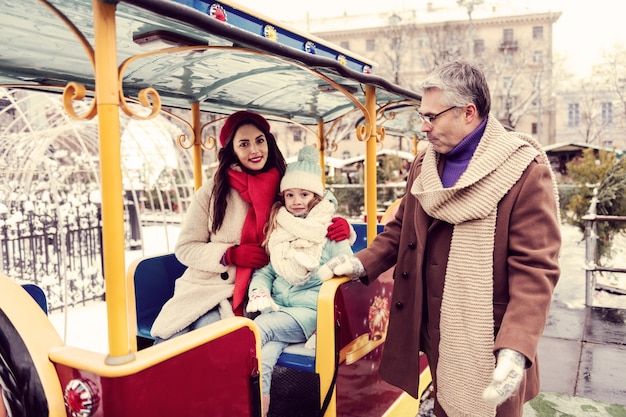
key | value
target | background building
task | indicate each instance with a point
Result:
(513, 46)
(593, 111)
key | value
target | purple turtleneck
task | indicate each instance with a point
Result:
(457, 160)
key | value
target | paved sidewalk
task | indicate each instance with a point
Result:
(583, 354)
(582, 359)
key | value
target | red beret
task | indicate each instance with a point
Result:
(237, 119)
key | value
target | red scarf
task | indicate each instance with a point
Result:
(260, 192)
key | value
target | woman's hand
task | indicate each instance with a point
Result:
(338, 230)
(247, 255)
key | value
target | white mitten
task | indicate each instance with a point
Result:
(507, 376)
(260, 300)
(341, 265)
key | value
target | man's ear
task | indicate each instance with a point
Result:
(470, 113)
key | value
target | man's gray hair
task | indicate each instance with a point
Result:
(461, 83)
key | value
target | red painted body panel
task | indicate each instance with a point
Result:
(213, 379)
(360, 389)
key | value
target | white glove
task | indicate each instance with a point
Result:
(260, 300)
(506, 377)
(340, 265)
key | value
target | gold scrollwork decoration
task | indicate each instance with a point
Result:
(77, 92)
(381, 133)
(148, 98)
(182, 141)
(208, 143)
(362, 133)
(387, 116)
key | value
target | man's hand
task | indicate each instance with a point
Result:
(506, 377)
(260, 300)
(341, 265)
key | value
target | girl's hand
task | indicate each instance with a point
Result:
(260, 300)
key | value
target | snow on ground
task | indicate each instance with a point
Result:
(570, 289)
(87, 325)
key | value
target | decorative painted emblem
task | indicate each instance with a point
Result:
(377, 320)
(269, 32)
(217, 11)
(310, 47)
(367, 69)
(80, 400)
(378, 317)
(342, 59)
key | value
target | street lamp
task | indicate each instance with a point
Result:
(469, 4)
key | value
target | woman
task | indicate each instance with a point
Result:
(221, 236)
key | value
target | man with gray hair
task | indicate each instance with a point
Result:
(475, 241)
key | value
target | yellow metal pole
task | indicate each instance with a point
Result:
(197, 145)
(370, 165)
(322, 147)
(414, 141)
(107, 99)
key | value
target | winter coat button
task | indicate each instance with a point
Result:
(412, 245)
(405, 275)
(399, 305)
(224, 275)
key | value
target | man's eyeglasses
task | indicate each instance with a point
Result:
(428, 118)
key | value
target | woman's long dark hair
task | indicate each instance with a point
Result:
(227, 157)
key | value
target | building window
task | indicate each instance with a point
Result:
(344, 44)
(479, 46)
(607, 113)
(370, 45)
(396, 43)
(538, 57)
(507, 35)
(573, 114)
(297, 135)
(506, 83)
(538, 32)
(508, 58)
(533, 128)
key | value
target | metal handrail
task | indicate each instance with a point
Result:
(591, 239)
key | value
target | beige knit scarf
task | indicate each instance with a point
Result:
(466, 359)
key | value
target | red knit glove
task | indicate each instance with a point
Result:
(338, 230)
(248, 255)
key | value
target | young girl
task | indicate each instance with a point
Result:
(286, 290)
